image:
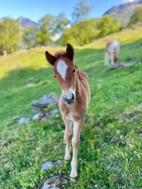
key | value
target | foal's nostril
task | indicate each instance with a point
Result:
(72, 97)
(69, 99)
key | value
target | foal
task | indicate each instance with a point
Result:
(74, 99)
(112, 51)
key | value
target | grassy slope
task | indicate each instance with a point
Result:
(110, 148)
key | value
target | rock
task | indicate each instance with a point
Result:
(48, 186)
(54, 111)
(45, 100)
(15, 73)
(52, 183)
(43, 119)
(99, 86)
(7, 124)
(23, 120)
(43, 115)
(99, 80)
(36, 116)
(59, 162)
(30, 80)
(15, 118)
(120, 65)
(46, 165)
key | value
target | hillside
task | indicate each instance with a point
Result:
(123, 11)
(111, 137)
(125, 36)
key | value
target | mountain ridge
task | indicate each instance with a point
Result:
(26, 22)
(123, 11)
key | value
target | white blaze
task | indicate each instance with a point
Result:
(61, 68)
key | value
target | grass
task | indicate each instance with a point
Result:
(111, 142)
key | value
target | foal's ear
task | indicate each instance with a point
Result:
(51, 59)
(70, 51)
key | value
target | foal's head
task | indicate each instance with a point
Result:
(64, 71)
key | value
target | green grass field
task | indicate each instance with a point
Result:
(111, 138)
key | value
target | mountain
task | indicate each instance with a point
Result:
(25, 22)
(123, 11)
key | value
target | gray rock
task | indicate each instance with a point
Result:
(120, 65)
(30, 80)
(15, 118)
(55, 180)
(59, 162)
(54, 111)
(7, 124)
(15, 73)
(52, 183)
(48, 186)
(36, 116)
(43, 119)
(46, 165)
(23, 120)
(44, 101)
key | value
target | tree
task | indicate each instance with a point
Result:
(61, 23)
(29, 37)
(9, 35)
(108, 25)
(81, 12)
(137, 16)
(46, 30)
(81, 33)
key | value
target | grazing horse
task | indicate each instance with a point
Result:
(111, 52)
(74, 99)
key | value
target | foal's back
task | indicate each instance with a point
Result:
(112, 46)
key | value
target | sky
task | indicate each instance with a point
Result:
(36, 9)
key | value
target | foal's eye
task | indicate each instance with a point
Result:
(73, 71)
(54, 76)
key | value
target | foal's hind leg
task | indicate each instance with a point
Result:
(75, 144)
(68, 135)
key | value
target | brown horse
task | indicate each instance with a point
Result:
(74, 99)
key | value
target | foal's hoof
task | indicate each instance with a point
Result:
(67, 157)
(73, 179)
(73, 175)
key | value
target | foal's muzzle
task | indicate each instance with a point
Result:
(69, 99)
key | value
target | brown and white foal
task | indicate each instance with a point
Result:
(74, 99)
(111, 52)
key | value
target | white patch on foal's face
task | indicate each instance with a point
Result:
(62, 68)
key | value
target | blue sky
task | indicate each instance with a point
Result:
(35, 9)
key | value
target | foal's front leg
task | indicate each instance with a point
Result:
(106, 59)
(75, 144)
(68, 135)
(112, 59)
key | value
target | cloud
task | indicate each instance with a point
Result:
(126, 1)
